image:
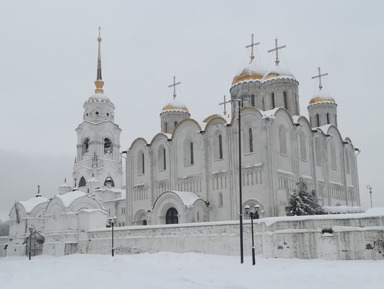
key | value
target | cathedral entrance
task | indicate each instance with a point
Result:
(171, 217)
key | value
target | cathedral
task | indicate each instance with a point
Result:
(192, 172)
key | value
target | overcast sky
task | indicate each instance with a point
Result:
(48, 57)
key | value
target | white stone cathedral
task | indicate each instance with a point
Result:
(190, 172)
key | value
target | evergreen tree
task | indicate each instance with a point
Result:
(302, 203)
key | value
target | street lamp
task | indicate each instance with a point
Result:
(254, 214)
(31, 228)
(370, 193)
(111, 222)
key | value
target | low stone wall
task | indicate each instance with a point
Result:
(343, 237)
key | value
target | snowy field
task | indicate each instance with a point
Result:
(191, 270)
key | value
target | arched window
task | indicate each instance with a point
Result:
(162, 159)
(175, 123)
(85, 146)
(82, 182)
(252, 100)
(107, 146)
(283, 140)
(171, 217)
(166, 127)
(318, 119)
(250, 136)
(109, 182)
(273, 100)
(220, 147)
(188, 152)
(317, 148)
(221, 202)
(140, 163)
(285, 100)
(303, 147)
(328, 120)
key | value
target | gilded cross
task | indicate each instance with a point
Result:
(174, 86)
(319, 77)
(251, 46)
(277, 47)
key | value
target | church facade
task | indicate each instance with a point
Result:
(190, 172)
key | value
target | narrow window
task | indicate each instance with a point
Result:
(252, 100)
(328, 118)
(175, 123)
(273, 100)
(318, 119)
(164, 160)
(191, 153)
(263, 103)
(142, 161)
(285, 100)
(107, 146)
(250, 140)
(85, 146)
(221, 200)
(166, 127)
(220, 147)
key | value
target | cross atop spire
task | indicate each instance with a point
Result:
(251, 46)
(174, 86)
(319, 77)
(99, 80)
(277, 47)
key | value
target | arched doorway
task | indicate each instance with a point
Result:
(171, 216)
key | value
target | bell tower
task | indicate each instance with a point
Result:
(98, 140)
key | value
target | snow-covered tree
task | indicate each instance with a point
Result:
(301, 202)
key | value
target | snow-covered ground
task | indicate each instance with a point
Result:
(190, 270)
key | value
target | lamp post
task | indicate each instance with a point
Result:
(254, 214)
(111, 222)
(370, 193)
(31, 228)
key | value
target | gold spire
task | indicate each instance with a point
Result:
(99, 83)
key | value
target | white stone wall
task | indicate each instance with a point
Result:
(342, 237)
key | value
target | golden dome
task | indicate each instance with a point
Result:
(246, 74)
(317, 99)
(175, 105)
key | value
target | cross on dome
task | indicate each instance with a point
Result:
(251, 46)
(277, 47)
(174, 86)
(319, 77)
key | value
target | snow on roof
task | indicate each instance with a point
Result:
(65, 185)
(68, 198)
(269, 113)
(33, 203)
(325, 128)
(88, 211)
(188, 198)
(278, 71)
(98, 97)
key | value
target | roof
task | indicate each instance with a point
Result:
(99, 97)
(321, 96)
(70, 197)
(33, 203)
(187, 198)
(278, 71)
(175, 105)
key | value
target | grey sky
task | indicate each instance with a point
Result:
(48, 56)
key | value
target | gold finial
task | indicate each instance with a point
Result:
(277, 61)
(319, 77)
(251, 46)
(99, 83)
(174, 86)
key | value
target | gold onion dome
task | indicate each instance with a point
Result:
(321, 96)
(175, 105)
(278, 71)
(250, 72)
